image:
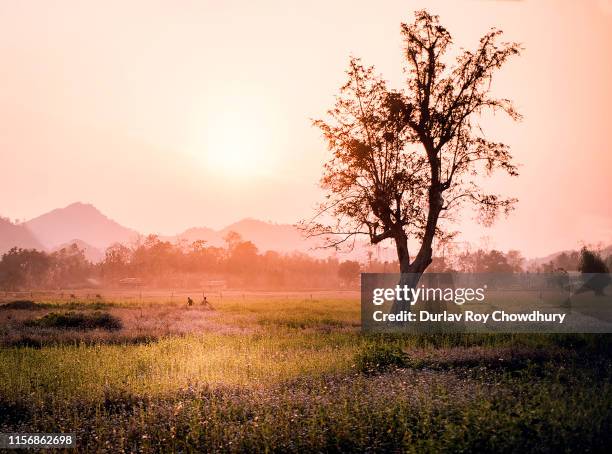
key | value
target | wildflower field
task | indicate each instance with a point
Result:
(291, 373)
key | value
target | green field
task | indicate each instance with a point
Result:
(293, 374)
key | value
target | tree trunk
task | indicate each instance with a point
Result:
(410, 273)
(410, 280)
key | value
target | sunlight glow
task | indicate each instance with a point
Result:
(237, 137)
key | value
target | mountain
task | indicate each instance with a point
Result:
(16, 235)
(93, 254)
(94, 232)
(267, 236)
(78, 220)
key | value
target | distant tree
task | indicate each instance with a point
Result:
(548, 267)
(116, 262)
(598, 277)
(489, 262)
(243, 258)
(405, 160)
(198, 246)
(439, 265)
(567, 260)
(69, 266)
(24, 269)
(516, 261)
(495, 262)
(591, 262)
(231, 239)
(154, 257)
(348, 272)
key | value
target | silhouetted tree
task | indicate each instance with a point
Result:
(24, 269)
(404, 160)
(598, 277)
(591, 262)
(496, 262)
(69, 266)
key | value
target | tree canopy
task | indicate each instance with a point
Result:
(405, 159)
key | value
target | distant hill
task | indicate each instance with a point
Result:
(212, 237)
(267, 236)
(16, 235)
(93, 231)
(538, 261)
(93, 254)
(78, 220)
(270, 237)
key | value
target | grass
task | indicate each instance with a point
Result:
(295, 375)
(379, 357)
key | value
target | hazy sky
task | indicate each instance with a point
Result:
(142, 107)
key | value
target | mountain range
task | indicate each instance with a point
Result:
(85, 225)
(93, 232)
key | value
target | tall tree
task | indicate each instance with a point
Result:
(403, 160)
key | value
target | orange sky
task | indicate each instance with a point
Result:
(142, 107)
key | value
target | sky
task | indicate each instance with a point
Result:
(168, 115)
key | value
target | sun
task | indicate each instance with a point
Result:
(236, 136)
(236, 141)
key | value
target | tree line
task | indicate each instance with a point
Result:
(153, 262)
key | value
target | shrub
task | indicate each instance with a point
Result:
(379, 357)
(23, 305)
(596, 270)
(78, 320)
(591, 262)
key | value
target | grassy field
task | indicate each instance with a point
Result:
(291, 374)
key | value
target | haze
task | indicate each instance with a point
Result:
(168, 115)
